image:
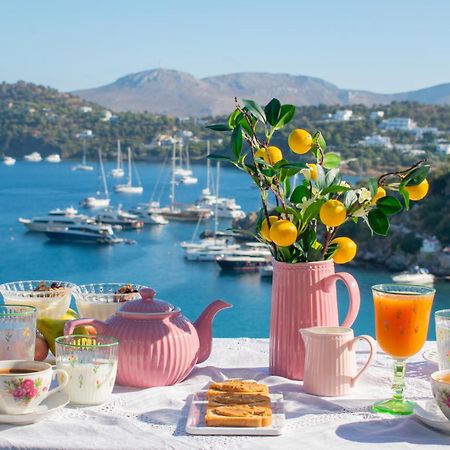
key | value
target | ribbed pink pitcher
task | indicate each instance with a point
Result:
(303, 296)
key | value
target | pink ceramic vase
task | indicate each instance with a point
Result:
(303, 296)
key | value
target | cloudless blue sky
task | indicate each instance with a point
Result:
(379, 45)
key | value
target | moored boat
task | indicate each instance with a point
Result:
(33, 157)
(415, 275)
(8, 161)
(53, 158)
(241, 263)
(86, 234)
(125, 220)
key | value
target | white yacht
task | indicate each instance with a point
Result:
(33, 157)
(266, 271)
(84, 166)
(101, 199)
(188, 180)
(415, 275)
(85, 233)
(125, 220)
(56, 219)
(8, 161)
(128, 188)
(118, 172)
(53, 158)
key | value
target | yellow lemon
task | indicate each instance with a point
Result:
(300, 141)
(265, 228)
(419, 191)
(346, 250)
(271, 156)
(283, 233)
(313, 171)
(381, 192)
(333, 213)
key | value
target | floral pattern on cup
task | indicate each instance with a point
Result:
(23, 390)
(444, 398)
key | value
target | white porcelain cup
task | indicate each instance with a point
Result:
(25, 384)
(440, 385)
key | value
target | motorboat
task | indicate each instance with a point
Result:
(119, 217)
(188, 179)
(241, 263)
(266, 271)
(100, 199)
(56, 219)
(128, 188)
(85, 233)
(53, 158)
(118, 172)
(8, 161)
(33, 157)
(210, 253)
(415, 275)
(84, 166)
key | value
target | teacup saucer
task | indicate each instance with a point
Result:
(429, 413)
(49, 405)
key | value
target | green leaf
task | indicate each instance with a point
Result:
(314, 255)
(331, 176)
(373, 186)
(219, 127)
(331, 160)
(320, 181)
(272, 111)
(312, 211)
(378, 222)
(416, 176)
(299, 193)
(234, 118)
(236, 141)
(255, 110)
(217, 157)
(405, 195)
(299, 166)
(389, 205)
(349, 198)
(334, 189)
(321, 141)
(245, 126)
(286, 115)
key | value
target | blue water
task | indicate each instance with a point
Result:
(30, 189)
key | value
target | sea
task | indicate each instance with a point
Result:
(32, 189)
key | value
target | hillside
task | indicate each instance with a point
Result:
(176, 93)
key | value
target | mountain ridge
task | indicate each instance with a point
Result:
(178, 93)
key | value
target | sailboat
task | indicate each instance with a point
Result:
(129, 188)
(187, 177)
(99, 200)
(9, 161)
(190, 213)
(118, 171)
(84, 165)
(179, 170)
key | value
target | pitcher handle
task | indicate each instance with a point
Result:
(72, 324)
(373, 352)
(353, 290)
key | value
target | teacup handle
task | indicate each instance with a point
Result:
(61, 385)
(373, 352)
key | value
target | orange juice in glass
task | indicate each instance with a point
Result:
(402, 314)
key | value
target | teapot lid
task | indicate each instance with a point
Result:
(147, 304)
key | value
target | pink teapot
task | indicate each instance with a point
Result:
(158, 345)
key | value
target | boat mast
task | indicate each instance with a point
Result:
(188, 166)
(208, 166)
(83, 161)
(129, 167)
(172, 181)
(102, 172)
(119, 155)
(216, 211)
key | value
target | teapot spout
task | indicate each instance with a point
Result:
(203, 325)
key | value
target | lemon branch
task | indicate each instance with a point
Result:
(400, 173)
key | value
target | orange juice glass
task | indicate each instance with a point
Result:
(402, 314)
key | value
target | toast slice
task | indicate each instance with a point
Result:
(238, 398)
(238, 416)
(238, 386)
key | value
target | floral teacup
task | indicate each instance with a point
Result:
(440, 385)
(25, 384)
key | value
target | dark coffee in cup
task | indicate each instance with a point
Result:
(16, 371)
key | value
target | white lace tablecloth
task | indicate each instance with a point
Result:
(155, 418)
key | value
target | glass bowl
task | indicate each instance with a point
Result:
(100, 301)
(51, 298)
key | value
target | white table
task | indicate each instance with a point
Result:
(155, 418)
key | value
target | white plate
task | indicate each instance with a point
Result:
(48, 406)
(195, 423)
(431, 355)
(429, 413)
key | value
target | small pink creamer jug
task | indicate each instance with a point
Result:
(330, 361)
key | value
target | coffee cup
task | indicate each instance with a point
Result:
(440, 385)
(25, 384)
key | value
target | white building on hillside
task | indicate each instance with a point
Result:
(85, 134)
(420, 131)
(342, 115)
(398, 123)
(374, 115)
(430, 245)
(443, 148)
(106, 116)
(85, 109)
(376, 141)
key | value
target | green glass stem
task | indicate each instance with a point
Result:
(398, 383)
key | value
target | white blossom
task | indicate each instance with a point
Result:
(364, 195)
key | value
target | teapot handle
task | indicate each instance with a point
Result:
(72, 324)
(353, 290)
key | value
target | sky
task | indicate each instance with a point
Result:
(379, 45)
